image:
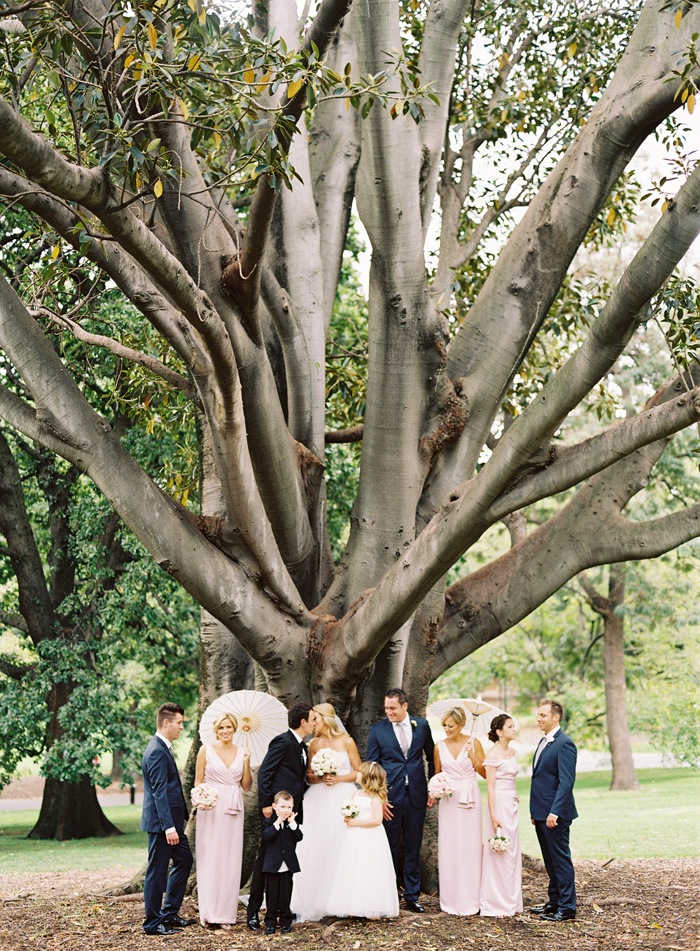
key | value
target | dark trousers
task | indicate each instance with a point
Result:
(278, 896)
(257, 883)
(157, 879)
(556, 853)
(407, 820)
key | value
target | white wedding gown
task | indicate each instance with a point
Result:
(324, 829)
(364, 881)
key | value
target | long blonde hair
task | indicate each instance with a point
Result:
(373, 780)
(326, 712)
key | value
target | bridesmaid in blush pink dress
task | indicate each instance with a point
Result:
(501, 873)
(459, 818)
(219, 840)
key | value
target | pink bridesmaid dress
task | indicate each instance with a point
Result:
(501, 872)
(459, 836)
(220, 842)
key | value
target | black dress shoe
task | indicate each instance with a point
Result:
(545, 909)
(163, 929)
(414, 906)
(558, 915)
(254, 923)
(285, 929)
(270, 929)
(178, 922)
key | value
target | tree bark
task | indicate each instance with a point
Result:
(624, 775)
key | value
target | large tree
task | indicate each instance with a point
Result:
(210, 173)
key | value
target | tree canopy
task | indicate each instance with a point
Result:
(208, 171)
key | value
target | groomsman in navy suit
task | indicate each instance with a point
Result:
(401, 744)
(552, 810)
(164, 816)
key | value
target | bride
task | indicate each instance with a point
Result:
(324, 825)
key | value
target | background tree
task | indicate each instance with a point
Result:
(209, 171)
(93, 636)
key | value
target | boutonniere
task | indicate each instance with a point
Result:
(414, 724)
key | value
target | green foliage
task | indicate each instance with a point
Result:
(126, 634)
(115, 665)
(557, 652)
(231, 85)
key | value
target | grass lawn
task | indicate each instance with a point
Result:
(661, 820)
(19, 854)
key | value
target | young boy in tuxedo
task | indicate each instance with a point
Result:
(280, 834)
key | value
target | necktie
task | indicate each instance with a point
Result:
(538, 751)
(403, 738)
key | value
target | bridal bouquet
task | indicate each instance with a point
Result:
(204, 797)
(350, 809)
(325, 761)
(440, 786)
(499, 842)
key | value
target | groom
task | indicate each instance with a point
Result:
(552, 810)
(399, 744)
(283, 767)
(164, 816)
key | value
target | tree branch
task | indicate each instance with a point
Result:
(14, 671)
(328, 18)
(516, 297)
(66, 423)
(44, 165)
(175, 379)
(566, 467)
(10, 619)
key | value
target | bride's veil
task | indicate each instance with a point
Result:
(339, 723)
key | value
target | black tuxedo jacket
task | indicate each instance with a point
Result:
(383, 748)
(163, 800)
(280, 845)
(283, 767)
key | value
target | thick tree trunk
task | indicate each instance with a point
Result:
(70, 810)
(624, 775)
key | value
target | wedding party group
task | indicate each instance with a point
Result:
(341, 836)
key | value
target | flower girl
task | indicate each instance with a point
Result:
(364, 885)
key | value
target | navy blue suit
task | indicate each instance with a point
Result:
(408, 793)
(551, 791)
(283, 767)
(164, 808)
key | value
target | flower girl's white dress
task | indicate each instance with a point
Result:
(364, 884)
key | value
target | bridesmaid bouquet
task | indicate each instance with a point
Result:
(350, 809)
(325, 761)
(499, 842)
(204, 797)
(440, 786)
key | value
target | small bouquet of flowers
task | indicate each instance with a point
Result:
(350, 809)
(499, 842)
(204, 797)
(325, 761)
(440, 786)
